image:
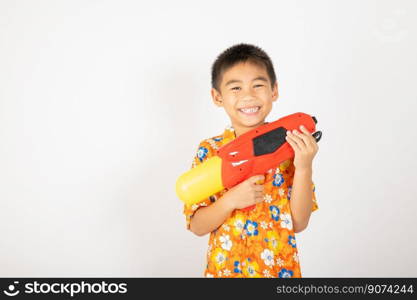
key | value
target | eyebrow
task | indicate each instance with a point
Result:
(236, 81)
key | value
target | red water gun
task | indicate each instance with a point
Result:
(252, 153)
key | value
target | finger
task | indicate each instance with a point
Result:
(259, 194)
(297, 137)
(258, 188)
(259, 199)
(291, 141)
(309, 138)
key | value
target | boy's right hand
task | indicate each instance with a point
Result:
(246, 193)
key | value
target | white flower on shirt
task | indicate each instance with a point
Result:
(268, 257)
(266, 273)
(212, 144)
(267, 198)
(286, 221)
(226, 242)
(281, 192)
(208, 275)
(280, 262)
(239, 225)
(226, 227)
(264, 225)
(295, 257)
(226, 272)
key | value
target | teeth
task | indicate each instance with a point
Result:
(250, 110)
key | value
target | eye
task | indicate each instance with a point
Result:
(258, 85)
(235, 88)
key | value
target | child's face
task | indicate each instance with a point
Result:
(246, 95)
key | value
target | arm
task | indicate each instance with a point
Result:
(208, 218)
(305, 148)
(247, 193)
(301, 199)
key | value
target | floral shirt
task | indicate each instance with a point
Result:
(256, 243)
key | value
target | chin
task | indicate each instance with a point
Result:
(253, 123)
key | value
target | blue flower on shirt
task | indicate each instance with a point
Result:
(237, 268)
(202, 153)
(274, 212)
(251, 227)
(284, 273)
(218, 139)
(291, 241)
(278, 179)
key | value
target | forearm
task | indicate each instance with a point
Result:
(301, 198)
(208, 218)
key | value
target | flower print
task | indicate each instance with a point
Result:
(251, 227)
(281, 192)
(266, 273)
(278, 179)
(226, 242)
(219, 258)
(218, 139)
(237, 268)
(238, 226)
(280, 262)
(273, 241)
(208, 275)
(251, 269)
(274, 212)
(226, 272)
(289, 193)
(213, 144)
(284, 273)
(286, 221)
(267, 198)
(295, 257)
(268, 257)
(202, 153)
(226, 227)
(291, 241)
(264, 225)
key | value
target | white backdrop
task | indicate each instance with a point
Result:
(103, 104)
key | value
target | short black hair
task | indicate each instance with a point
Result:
(240, 53)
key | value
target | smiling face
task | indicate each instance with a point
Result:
(246, 95)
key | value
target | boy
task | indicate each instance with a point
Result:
(260, 242)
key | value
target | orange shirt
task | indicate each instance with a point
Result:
(256, 243)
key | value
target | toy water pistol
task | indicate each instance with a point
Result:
(252, 153)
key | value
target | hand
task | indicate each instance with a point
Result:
(305, 147)
(246, 193)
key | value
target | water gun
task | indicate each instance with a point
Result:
(252, 153)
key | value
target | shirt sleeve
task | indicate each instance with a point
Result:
(204, 152)
(315, 206)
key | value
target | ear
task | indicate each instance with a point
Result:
(217, 97)
(275, 94)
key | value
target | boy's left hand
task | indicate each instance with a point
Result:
(305, 147)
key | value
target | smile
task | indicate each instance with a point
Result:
(250, 110)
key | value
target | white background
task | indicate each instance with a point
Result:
(103, 104)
